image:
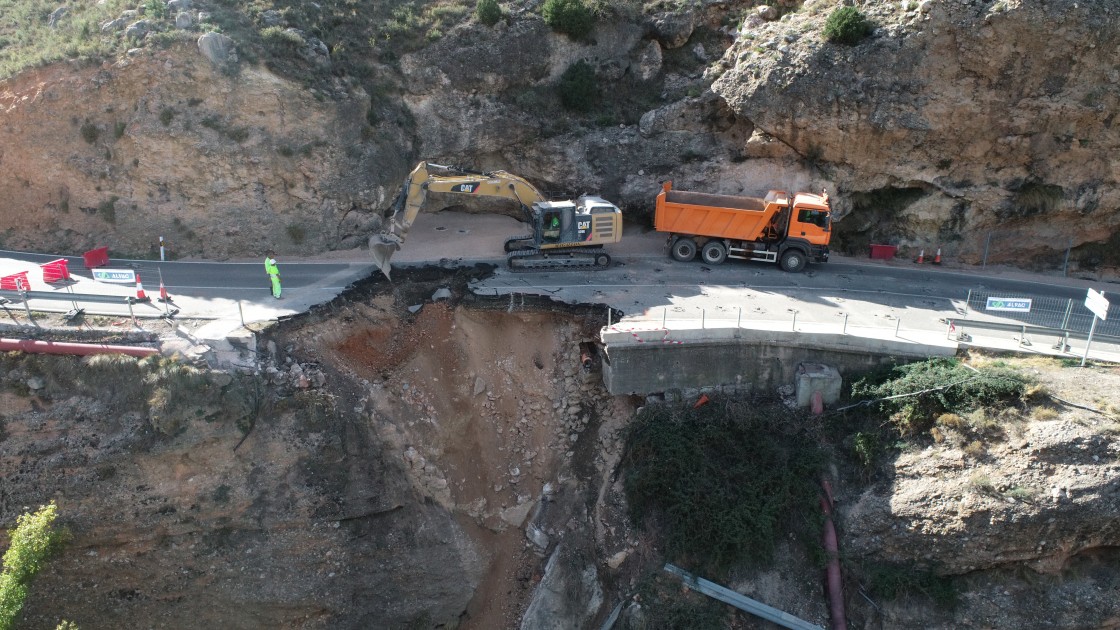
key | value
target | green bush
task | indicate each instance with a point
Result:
(281, 41)
(108, 209)
(667, 605)
(89, 132)
(928, 389)
(156, 9)
(723, 483)
(571, 17)
(846, 25)
(579, 88)
(166, 115)
(488, 12)
(33, 541)
(297, 233)
(891, 581)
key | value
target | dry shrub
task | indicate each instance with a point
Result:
(981, 483)
(980, 421)
(951, 421)
(975, 449)
(1042, 414)
(937, 435)
(1035, 392)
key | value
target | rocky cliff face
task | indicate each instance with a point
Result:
(952, 120)
(166, 144)
(279, 517)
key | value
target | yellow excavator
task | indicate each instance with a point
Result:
(565, 234)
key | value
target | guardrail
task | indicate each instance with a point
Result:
(1034, 330)
(20, 296)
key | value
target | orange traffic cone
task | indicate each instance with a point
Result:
(921, 256)
(140, 295)
(163, 297)
(703, 400)
(937, 258)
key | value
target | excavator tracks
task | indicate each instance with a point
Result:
(519, 243)
(568, 259)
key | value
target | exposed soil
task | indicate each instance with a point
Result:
(485, 404)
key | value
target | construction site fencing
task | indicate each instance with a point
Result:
(1044, 312)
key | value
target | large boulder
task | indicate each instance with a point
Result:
(217, 48)
(673, 29)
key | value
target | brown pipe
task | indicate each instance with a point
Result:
(61, 347)
(833, 579)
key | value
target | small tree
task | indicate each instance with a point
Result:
(846, 25)
(33, 541)
(488, 12)
(578, 87)
(571, 17)
(155, 9)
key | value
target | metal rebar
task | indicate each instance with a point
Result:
(897, 325)
(845, 324)
(664, 316)
(739, 322)
(794, 321)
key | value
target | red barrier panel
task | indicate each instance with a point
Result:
(96, 257)
(15, 282)
(883, 252)
(56, 270)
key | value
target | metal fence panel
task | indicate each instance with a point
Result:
(1048, 312)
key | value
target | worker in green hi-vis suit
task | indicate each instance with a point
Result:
(273, 273)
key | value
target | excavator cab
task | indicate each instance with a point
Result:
(551, 222)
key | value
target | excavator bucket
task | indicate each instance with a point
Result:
(381, 249)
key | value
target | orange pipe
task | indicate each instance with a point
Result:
(62, 347)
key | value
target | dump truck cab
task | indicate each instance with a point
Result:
(811, 218)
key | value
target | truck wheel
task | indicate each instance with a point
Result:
(794, 260)
(684, 249)
(713, 253)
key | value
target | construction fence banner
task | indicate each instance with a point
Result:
(117, 276)
(1008, 304)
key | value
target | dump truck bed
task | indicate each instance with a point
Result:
(716, 216)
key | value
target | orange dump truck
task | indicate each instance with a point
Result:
(791, 231)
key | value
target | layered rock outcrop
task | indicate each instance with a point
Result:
(952, 120)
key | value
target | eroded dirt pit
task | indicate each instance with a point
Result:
(491, 412)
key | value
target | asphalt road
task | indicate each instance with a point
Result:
(212, 279)
(644, 283)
